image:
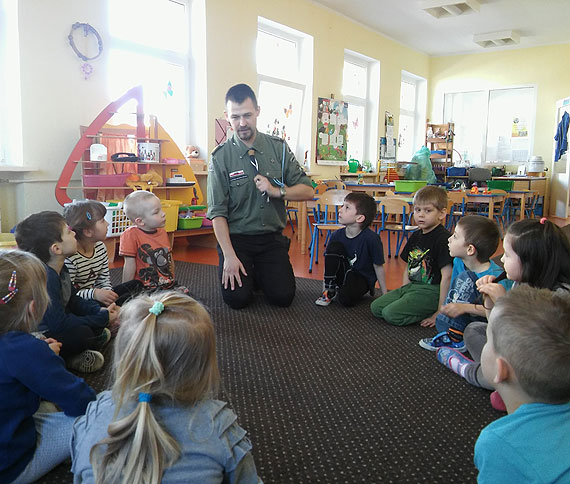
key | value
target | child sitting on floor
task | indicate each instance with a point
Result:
(426, 279)
(536, 252)
(80, 325)
(161, 423)
(146, 246)
(354, 256)
(473, 242)
(527, 359)
(34, 436)
(89, 266)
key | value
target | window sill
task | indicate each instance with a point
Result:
(17, 168)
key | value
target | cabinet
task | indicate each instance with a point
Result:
(106, 180)
(439, 140)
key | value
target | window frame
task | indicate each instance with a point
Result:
(418, 113)
(302, 80)
(370, 104)
(486, 91)
(181, 59)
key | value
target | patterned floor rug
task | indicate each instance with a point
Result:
(333, 395)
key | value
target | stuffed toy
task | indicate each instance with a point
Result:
(192, 152)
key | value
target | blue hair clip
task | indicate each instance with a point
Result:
(145, 397)
(88, 215)
(156, 308)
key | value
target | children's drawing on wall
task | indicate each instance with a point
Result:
(332, 125)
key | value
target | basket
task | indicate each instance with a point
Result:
(506, 185)
(456, 171)
(118, 221)
(170, 208)
(117, 180)
(409, 186)
(190, 223)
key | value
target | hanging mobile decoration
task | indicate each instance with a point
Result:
(86, 67)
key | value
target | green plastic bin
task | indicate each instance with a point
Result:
(409, 185)
(506, 185)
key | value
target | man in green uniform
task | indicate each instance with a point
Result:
(249, 178)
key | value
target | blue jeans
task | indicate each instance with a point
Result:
(52, 445)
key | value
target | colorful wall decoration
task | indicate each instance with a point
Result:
(332, 125)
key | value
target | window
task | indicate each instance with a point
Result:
(360, 83)
(10, 106)
(284, 71)
(154, 54)
(411, 134)
(495, 125)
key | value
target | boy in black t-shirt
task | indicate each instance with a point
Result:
(426, 279)
(354, 259)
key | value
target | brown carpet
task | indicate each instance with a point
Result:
(333, 395)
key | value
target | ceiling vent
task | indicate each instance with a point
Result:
(497, 39)
(450, 8)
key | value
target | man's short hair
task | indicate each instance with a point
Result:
(482, 233)
(433, 195)
(365, 205)
(135, 204)
(239, 93)
(531, 330)
(38, 232)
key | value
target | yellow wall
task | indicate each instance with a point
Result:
(231, 33)
(547, 68)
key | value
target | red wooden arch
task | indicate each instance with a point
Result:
(86, 139)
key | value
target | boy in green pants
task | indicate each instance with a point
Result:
(426, 279)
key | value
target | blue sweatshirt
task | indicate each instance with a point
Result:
(68, 310)
(30, 370)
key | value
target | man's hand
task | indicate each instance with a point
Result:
(429, 322)
(455, 309)
(54, 345)
(105, 296)
(264, 186)
(231, 272)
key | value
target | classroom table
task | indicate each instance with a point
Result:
(488, 198)
(369, 187)
(522, 195)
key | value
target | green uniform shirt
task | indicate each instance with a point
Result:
(231, 190)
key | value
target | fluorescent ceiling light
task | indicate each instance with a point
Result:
(497, 39)
(450, 8)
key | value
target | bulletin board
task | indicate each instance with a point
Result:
(332, 125)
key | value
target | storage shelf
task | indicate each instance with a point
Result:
(122, 136)
(160, 187)
(135, 162)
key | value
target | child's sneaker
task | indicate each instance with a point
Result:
(86, 362)
(442, 340)
(99, 342)
(325, 299)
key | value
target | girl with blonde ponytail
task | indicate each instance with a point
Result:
(160, 422)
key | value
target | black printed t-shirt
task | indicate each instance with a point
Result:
(426, 255)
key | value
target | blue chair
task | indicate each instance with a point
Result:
(326, 219)
(294, 211)
(396, 207)
(455, 208)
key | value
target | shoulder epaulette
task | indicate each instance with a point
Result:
(217, 148)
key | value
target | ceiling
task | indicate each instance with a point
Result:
(538, 22)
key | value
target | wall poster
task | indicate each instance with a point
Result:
(332, 125)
